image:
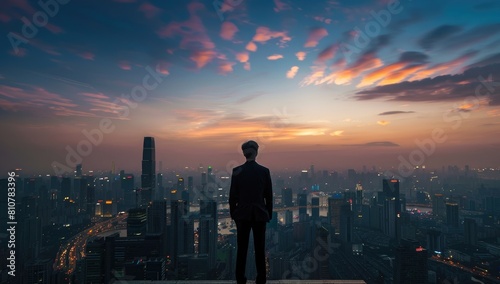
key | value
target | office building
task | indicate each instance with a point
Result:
(410, 265)
(148, 176)
(452, 214)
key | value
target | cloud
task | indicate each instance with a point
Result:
(251, 46)
(315, 35)
(124, 65)
(395, 112)
(323, 19)
(264, 34)
(413, 57)
(192, 31)
(471, 37)
(228, 30)
(202, 58)
(439, 34)
(383, 122)
(301, 55)
(337, 133)
(376, 144)
(149, 10)
(292, 72)
(275, 57)
(440, 88)
(242, 57)
(87, 55)
(327, 53)
(279, 6)
(226, 67)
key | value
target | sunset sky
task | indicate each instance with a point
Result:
(337, 84)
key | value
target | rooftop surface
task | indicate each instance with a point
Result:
(249, 282)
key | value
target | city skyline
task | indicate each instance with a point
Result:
(336, 84)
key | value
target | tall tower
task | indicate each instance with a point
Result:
(148, 177)
(392, 209)
(208, 230)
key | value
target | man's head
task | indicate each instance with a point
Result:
(250, 149)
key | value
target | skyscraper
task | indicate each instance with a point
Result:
(286, 197)
(208, 231)
(410, 265)
(470, 231)
(392, 209)
(136, 223)
(148, 177)
(315, 208)
(452, 214)
(334, 204)
(302, 203)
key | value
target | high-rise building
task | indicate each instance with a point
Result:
(438, 206)
(136, 223)
(148, 177)
(302, 203)
(470, 231)
(286, 197)
(346, 223)
(452, 214)
(334, 205)
(315, 208)
(392, 209)
(208, 231)
(157, 217)
(178, 229)
(410, 265)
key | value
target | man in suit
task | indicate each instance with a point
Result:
(251, 207)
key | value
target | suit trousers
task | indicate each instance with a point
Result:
(259, 236)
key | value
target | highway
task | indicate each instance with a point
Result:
(74, 248)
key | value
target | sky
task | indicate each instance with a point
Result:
(337, 84)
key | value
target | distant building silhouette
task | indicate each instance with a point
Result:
(392, 209)
(148, 177)
(286, 197)
(452, 214)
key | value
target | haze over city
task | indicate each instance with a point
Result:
(338, 84)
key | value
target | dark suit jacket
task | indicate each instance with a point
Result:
(251, 193)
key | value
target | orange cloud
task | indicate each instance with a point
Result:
(242, 57)
(380, 74)
(228, 30)
(327, 53)
(264, 34)
(226, 68)
(315, 35)
(202, 58)
(383, 122)
(292, 72)
(301, 55)
(251, 46)
(275, 57)
(337, 133)
(400, 75)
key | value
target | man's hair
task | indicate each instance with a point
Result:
(250, 149)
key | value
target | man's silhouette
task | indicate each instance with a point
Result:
(250, 205)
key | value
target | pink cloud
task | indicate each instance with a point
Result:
(225, 68)
(251, 46)
(280, 6)
(202, 58)
(87, 55)
(149, 10)
(323, 19)
(315, 35)
(242, 57)
(162, 68)
(53, 28)
(301, 55)
(192, 31)
(95, 95)
(327, 53)
(228, 30)
(21, 52)
(292, 72)
(124, 65)
(275, 57)
(264, 34)
(246, 66)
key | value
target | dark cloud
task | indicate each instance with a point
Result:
(413, 57)
(471, 37)
(439, 34)
(490, 59)
(395, 112)
(375, 144)
(441, 88)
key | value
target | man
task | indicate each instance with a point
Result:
(251, 206)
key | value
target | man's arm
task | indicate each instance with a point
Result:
(268, 195)
(233, 194)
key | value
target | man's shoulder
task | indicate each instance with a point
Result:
(262, 167)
